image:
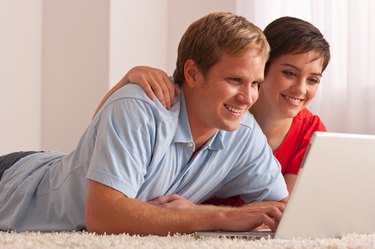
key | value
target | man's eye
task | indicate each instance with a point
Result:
(235, 81)
(256, 84)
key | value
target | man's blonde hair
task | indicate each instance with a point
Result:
(207, 38)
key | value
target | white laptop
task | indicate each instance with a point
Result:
(334, 193)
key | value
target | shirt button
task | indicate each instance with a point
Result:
(190, 145)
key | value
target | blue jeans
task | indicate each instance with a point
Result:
(8, 160)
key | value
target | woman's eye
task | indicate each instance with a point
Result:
(314, 81)
(289, 74)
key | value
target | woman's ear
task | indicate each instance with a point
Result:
(191, 72)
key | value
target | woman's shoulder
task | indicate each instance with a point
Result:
(307, 123)
(306, 114)
(306, 118)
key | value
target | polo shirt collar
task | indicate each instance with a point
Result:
(183, 132)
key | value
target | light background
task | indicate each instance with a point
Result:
(59, 58)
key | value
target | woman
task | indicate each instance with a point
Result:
(299, 55)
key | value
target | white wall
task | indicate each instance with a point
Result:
(152, 30)
(138, 36)
(60, 57)
(181, 14)
(20, 74)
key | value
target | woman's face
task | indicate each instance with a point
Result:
(291, 83)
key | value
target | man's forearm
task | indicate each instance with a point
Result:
(111, 212)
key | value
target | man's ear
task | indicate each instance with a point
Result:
(191, 72)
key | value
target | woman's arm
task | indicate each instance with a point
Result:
(155, 82)
(290, 180)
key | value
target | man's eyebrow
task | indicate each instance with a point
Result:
(299, 70)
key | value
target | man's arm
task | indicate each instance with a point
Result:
(109, 211)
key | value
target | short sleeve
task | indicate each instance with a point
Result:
(123, 145)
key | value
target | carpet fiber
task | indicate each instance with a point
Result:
(87, 240)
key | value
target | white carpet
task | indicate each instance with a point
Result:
(87, 240)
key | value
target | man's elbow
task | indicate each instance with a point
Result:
(97, 223)
(99, 212)
(94, 224)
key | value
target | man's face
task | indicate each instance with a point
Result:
(219, 99)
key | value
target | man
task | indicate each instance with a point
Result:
(141, 169)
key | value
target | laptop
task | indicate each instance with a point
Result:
(334, 193)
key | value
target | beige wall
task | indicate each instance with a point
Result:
(20, 74)
(58, 58)
(75, 68)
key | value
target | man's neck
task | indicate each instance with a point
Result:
(200, 131)
(273, 125)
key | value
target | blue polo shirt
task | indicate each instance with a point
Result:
(139, 148)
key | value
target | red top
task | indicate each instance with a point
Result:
(291, 151)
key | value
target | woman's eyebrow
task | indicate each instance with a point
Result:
(299, 70)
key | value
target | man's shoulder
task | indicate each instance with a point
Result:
(248, 128)
(133, 91)
(248, 121)
(133, 96)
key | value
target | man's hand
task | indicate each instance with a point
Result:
(247, 218)
(264, 204)
(279, 204)
(174, 201)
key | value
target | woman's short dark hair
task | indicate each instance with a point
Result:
(292, 35)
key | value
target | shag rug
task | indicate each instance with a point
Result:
(34, 240)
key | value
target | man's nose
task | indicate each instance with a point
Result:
(248, 94)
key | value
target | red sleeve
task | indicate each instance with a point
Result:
(292, 151)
